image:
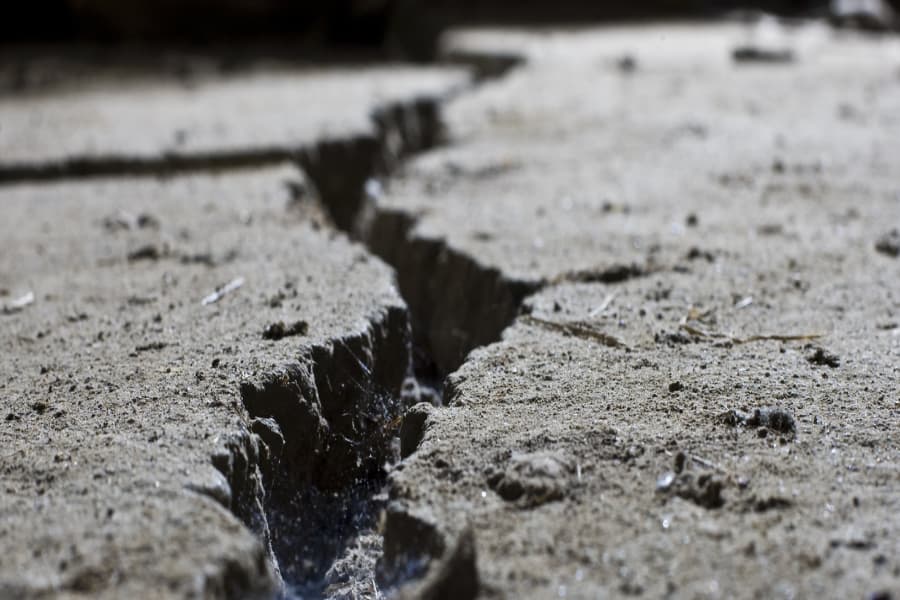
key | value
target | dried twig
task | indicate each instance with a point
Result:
(695, 315)
(603, 306)
(220, 292)
(577, 329)
(753, 338)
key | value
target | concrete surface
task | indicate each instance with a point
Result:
(571, 165)
(705, 238)
(662, 284)
(128, 451)
(100, 125)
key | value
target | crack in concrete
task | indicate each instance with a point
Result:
(330, 445)
(456, 305)
(323, 428)
(315, 461)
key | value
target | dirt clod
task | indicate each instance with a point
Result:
(611, 274)
(695, 253)
(889, 243)
(824, 358)
(531, 479)
(775, 419)
(146, 252)
(278, 330)
(754, 54)
(703, 490)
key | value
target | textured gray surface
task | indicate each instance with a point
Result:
(570, 165)
(256, 112)
(665, 244)
(121, 389)
(685, 216)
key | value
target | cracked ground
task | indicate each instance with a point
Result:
(620, 320)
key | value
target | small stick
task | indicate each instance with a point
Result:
(578, 330)
(220, 293)
(603, 306)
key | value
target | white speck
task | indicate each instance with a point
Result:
(665, 481)
(483, 494)
(19, 303)
(603, 305)
(220, 293)
(579, 575)
(744, 302)
(562, 591)
(374, 190)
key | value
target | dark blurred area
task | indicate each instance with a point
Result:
(407, 28)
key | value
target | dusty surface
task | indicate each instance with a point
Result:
(126, 442)
(575, 163)
(203, 116)
(692, 221)
(691, 261)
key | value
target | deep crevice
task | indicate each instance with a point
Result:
(327, 422)
(455, 304)
(308, 475)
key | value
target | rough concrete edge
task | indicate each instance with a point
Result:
(457, 303)
(449, 327)
(339, 168)
(248, 457)
(435, 560)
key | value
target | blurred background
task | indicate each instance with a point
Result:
(397, 28)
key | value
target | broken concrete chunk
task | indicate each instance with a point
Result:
(775, 419)
(531, 479)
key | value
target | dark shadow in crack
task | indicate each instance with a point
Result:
(325, 539)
